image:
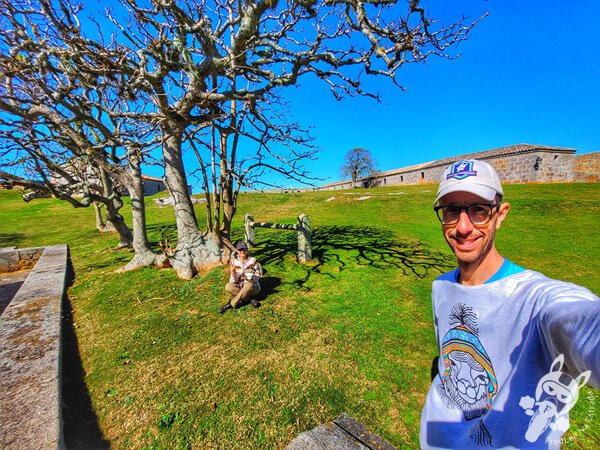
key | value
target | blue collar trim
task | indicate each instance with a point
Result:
(506, 269)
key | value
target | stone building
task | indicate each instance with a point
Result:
(515, 164)
(153, 185)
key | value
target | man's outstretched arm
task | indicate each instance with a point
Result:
(573, 330)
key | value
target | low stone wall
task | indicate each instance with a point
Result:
(535, 167)
(30, 356)
(587, 168)
(12, 260)
(529, 167)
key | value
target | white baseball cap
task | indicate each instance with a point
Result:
(470, 175)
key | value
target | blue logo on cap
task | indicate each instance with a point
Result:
(461, 170)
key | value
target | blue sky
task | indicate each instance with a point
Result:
(529, 73)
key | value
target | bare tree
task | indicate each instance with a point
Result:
(217, 67)
(75, 175)
(64, 175)
(56, 127)
(218, 62)
(358, 163)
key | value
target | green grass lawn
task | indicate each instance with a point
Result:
(348, 332)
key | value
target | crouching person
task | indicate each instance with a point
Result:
(244, 280)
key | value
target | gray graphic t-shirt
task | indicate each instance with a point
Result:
(513, 354)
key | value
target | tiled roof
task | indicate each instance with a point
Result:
(147, 177)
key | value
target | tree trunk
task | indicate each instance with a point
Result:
(228, 213)
(101, 226)
(194, 250)
(113, 204)
(144, 256)
(228, 210)
(117, 220)
(226, 184)
(99, 220)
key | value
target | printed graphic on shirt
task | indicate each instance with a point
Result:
(555, 394)
(461, 170)
(468, 381)
(247, 270)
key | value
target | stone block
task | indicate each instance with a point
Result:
(9, 261)
(343, 433)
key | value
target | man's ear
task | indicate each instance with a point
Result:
(503, 210)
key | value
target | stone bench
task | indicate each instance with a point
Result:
(30, 355)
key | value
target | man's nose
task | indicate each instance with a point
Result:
(464, 225)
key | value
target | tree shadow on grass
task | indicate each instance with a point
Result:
(268, 286)
(11, 239)
(165, 233)
(346, 247)
(80, 427)
(108, 257)
(349, 247)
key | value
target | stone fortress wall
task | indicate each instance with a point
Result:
(515, 164)
(587, 168)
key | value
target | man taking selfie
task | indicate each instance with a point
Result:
(514, 346)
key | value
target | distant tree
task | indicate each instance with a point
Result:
(358, 163)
